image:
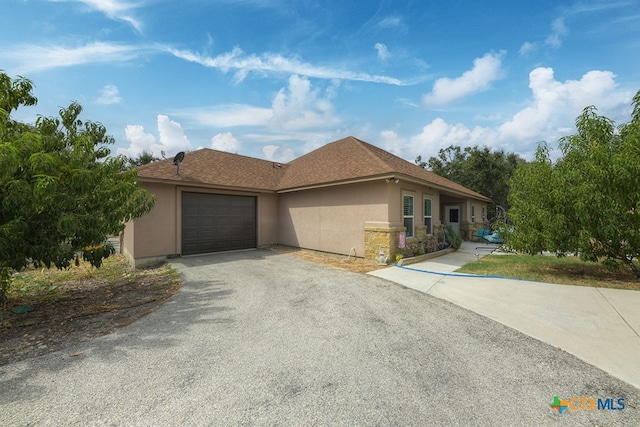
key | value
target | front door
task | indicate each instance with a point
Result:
(452, 215)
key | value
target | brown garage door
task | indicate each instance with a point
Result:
(217, 222)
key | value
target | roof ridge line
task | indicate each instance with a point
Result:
(377, 158)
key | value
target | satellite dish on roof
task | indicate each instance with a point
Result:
(177, 160)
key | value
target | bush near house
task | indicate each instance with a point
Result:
(442, 239)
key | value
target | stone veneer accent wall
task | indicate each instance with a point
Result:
(381, 238)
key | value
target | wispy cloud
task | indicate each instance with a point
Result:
(109, 95)
(558, 31)
(485, 70)
(32, 58)
(118, 10)
(383, 52)
(391, 22)
(527, 48)
(243, 64)
(226, 115)
(599, 6)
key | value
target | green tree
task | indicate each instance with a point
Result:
(588, 201)
(143, 158)
(480, 169)
(60, 190)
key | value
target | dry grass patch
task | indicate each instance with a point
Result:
(357, 265)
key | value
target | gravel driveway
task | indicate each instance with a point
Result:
(259, 338)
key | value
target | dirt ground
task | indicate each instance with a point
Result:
(344, 262)
(79, 310)
(89, 307)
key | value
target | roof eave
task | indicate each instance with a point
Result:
(205, 185)
(442, 187)
(335, 183)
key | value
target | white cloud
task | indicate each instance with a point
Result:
(300, 107)
(296, 106)
(278, 153)
(383, 52)
(558, 30)
(113, 9)
(549, 116)
(485, 70)
(440, 134)
(243, 64)
(109, 95)
(139, 141)
(30, 58)
(225, 142)
(392, 142)
(172, 139)
(555, 104)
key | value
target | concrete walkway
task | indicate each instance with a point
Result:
(600, 326)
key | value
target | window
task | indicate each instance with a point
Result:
(473, 213)
(408, 214)
(427, 216)
(484, 214)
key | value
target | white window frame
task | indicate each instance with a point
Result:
(410, 230)
(429, 226)
(484, 214)
(473, 213)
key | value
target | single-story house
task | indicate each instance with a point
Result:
(347, 197)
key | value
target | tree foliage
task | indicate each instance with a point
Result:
(586, 202)
(143, 158)
(479, 169)
(60, 190)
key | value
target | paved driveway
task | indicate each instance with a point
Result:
(257, 338)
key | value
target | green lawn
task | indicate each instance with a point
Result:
(550, 269)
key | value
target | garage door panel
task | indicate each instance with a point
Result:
(215, 222)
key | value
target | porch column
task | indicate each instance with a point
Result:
(383, 237)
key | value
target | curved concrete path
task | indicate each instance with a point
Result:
(598, 325)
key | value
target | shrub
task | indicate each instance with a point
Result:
(451, 237)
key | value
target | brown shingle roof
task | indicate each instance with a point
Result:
(345, 160)
(350, 159)
(213, 167)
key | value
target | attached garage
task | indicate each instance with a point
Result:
(342, 197)
(217, 222)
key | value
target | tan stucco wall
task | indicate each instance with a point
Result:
(332, 219)
(155, 233)
(470, 225)
(159, 233)
(419, 193)
(267, 219)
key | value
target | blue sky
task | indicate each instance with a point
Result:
(277, 79)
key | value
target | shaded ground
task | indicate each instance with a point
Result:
(77, 305)
(83, 303)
